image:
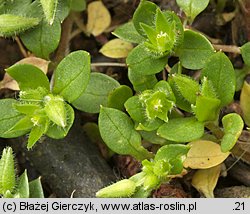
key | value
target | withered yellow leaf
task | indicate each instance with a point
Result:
(204, 154)
(205, 180)
(10, 83)
(116, 48)
(98, 18)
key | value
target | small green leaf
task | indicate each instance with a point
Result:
(192, 7)
(8, 118)
(7, 171)
(22, 190)
(43, 39)
(37, 132)
(245, 52)
(26, 108)
(117, 131)
(36, 189)
(182, 129)
(141, 61)
(58, 132)
(141, 82)
(11, 25)
(23, 73)
(219, 70)
(195, 51)
(96, 93)
(153, 138)
(244, 102)
(145, 13)
(78, 5)
(187, 87)
(49, 9)
(119, 96)
(128, 33)
(72, 75)
(233, 125)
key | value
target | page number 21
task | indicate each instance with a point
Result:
(239, 206)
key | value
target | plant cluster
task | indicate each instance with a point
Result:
(179, 115)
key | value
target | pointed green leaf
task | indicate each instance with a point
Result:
(141, 61)
(8, 118)
(43, 39)
(233, 125)
(117, 131)
(182, 129)
(11, 25)
(24, 73)
(23, 186)
(49, 9)
(128, 33)
(26, 108)
(36, 189)
(195, 51)
(72, 75)
(192, 7)
(96, 93)
(219, 70)
(7, 171)
(187, 87)
(37, 132)
(145, 13)
(24, 124)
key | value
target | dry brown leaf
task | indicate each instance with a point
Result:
(204, 154)
(10, 83)
(205, 180)
(38, 62)
(116, 48)
(98, 18)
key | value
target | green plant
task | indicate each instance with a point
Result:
(154, 113)
(41, 108)
(37, 22)
(13, 187)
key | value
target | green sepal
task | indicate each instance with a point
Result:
(7, 171)
(49, 9)
(36, 189)
(22, 190)
(38, 130)
(11, 25)
(186, 86)
(57, 132)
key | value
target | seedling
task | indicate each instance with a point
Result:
(153, 113)
(41, 108)
(13, 187)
